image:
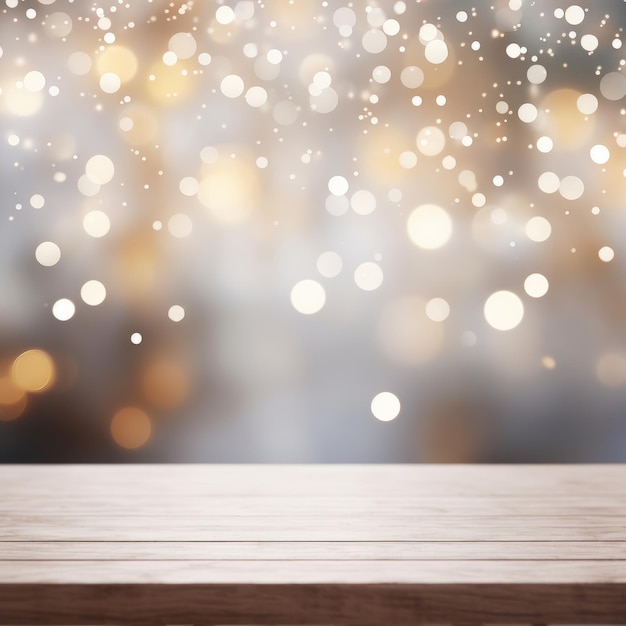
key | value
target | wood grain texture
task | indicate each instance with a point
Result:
(321, 480)
(338, 604)
(313, 528)
(312, 550)
(325, 544)
(175, 504)
(313, 572)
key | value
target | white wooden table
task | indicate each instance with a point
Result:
(312, 544)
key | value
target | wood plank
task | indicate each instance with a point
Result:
(338, 544)
(316, 528)
(341, 605)
(289, 572)
(308, 480)
(51, 504)
(312, 550)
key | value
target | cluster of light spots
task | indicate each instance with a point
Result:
(33, 371)
(329, 264)
(437, 310)
(344, 19)
(63, 309)
(536, 285)
(308, 297)
(435, 47)
(323, 98)
(368, 276)
(432, 153)
(538, 229)
(176, 313)
(385, 406)
(130, 428)
(99, 170)
(606, 254)
(429, 226)
(503, 310)
(93, 292)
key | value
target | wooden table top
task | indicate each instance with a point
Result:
(319, 544)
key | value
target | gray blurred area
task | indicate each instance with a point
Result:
(244, 147)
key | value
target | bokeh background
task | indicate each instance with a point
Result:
(310, 231)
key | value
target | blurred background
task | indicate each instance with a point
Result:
(310, 231)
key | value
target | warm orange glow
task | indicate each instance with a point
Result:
(9, 412)
(230, 189)
(567, 125)
(168, 84)
(119, 60)
(33, 371)
(165, 383)
(130, 428)
(10, 393)
(12, 400)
